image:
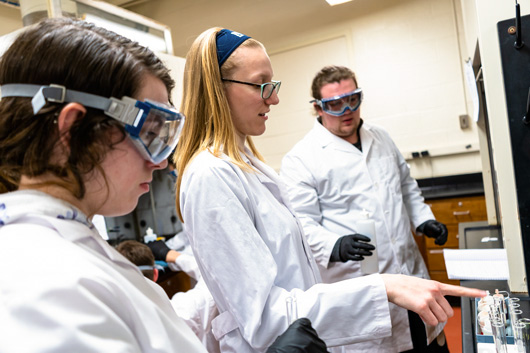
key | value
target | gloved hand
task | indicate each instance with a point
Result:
(300, 337)
(434, 229)
(159, 249)
(351, 247)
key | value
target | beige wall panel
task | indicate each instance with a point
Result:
(10, 19)
(290, 120)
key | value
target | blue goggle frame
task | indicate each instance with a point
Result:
(338, 105)
(154, 128)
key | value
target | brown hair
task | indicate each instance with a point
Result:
(139, 254)
(330, 74)
(79, 56)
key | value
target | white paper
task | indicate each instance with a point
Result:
(476, 264)
(490, 348)
(472, 87)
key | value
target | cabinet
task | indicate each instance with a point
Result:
(449, 211)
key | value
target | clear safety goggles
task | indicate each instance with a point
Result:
(153, 127)
(338, 105)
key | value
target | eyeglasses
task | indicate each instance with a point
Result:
(338, 105)
(266, 88)
(154, 128)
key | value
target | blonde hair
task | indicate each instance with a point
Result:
(204, 103)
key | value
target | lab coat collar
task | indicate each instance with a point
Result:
(19, 204)
(268, 177)
(36, 207)
(327, 139)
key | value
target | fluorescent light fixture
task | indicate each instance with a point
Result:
(336, 2)
(156, 44)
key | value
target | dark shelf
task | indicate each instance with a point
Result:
(451, 186)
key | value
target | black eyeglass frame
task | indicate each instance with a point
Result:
(275, 86)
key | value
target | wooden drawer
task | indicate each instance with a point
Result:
(441, 276)
(452, 238)
(435, 259)
(456, 210)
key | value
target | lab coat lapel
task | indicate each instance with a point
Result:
(329, 140)
(78, 233)
(91, 241)
(269, 179)
(366, 138)
(272, 181)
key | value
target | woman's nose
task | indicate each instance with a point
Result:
(273, 99)
(161, 165)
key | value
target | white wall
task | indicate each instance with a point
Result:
(408, 61)
(290, 120)
(407, 56)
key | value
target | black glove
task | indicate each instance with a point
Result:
(434, 229)
(159, 249)
(351, 247)
(300, 337)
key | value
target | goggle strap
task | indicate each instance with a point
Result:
(118, 109)
(145, 267)
(123, 110)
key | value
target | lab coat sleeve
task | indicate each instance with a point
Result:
(418, 211)
(302, 190)
(240, 270)
(197, 308)
(187, 264)
(349, 311)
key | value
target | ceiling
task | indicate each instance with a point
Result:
(266, 20)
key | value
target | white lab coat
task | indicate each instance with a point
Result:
(64, 289)
(195, 306)
(253, 255)
(330, 182)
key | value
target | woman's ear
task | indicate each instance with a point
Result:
(67, 117)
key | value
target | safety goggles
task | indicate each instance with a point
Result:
(338, 105)
(266, 88)
(153, 127)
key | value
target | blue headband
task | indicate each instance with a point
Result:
(227, 41)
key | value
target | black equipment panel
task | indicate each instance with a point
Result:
(516, 72)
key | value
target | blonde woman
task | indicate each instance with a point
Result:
(248, 243)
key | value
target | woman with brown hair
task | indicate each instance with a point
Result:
(85, 119)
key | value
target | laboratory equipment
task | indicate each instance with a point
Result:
(292, 309)
(366, 226)
(149, 235)
(499, 336)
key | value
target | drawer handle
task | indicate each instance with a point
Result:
(461, 213)
(436, 251)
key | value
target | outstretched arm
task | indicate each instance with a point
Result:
(425, 297)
